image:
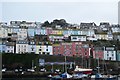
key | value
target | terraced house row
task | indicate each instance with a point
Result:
(22, 37)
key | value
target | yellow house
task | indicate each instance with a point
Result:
(39, 49)
(56, 31)
(102, 36)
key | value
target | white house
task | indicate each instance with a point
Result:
(3, 31)
(116, 36)
(31, 47)
(115, 28)
(78, 37)
(109, 53)
(44, 49)
(10, 47)
(21, 46)
(110, 35)
(56, 37)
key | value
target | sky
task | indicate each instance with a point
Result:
(73, 11)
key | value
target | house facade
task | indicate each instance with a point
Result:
(98, 53)
(72, 49)
(10, 47)
(31, 46)
(22, 34)
(101, 36)
(44, 49)
(54, 38)
(118, 55)
(31, 32)
(0, 45)
(78, 37)
(21, 47)
(3, 31)
(110, 53)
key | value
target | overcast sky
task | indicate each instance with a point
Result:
(71, 11)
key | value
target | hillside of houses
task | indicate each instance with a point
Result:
(61, 38)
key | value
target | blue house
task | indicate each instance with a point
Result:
(4, 47)
(15, 29)
(118, 55)
(0, 45)
(43, 31)
(37, 31)
(31, 32)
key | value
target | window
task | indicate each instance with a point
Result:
(112, 54)
(24, 49)
(39, 52)
(39, 49)
(48, 53)
(70, 47)
(19, 50)
(31, 43)
(46, 49)
(110, 58)
(65, 46)
(8, 51)
(76, 47)
(111, 51)
(32, 49)
(107, 54)
(43, 52)
(74, 38)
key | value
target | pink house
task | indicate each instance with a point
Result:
(72, 49)
(49, 31)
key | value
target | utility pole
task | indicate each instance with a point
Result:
(98, 66)
(32, 64)
(65, 64)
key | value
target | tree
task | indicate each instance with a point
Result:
(60, 22)
(46, 24)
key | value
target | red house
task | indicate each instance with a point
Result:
(72, 49)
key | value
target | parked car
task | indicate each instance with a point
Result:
(30, 70)
(43, 70)
(4, 70)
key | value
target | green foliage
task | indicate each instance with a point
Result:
(25, 60)
(55, 22)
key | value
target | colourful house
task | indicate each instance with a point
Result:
(98, 53)
(56, 31)
(101, 36)
(44, 49)
(72, 49)
(118, 55)
(31, 32)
